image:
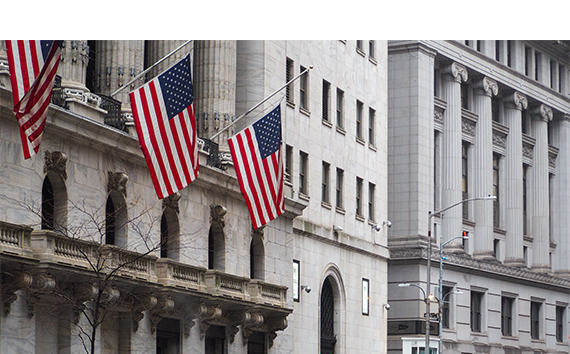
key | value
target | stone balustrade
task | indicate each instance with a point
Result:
(179, 275)
(229, 285)
(268, 294)
(15, 239)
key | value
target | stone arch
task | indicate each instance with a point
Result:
(332, 291)
(217, 239)
(257, 256)
(54, 203)
(169, 235)
(116, 219)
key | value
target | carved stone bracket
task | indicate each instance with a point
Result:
(542, 112)
(41, 284)
(172, 202)
(11, 284)
(211, 313)
(254, 320)
(217, 213)
(275, 324)
(56, 162)
(143, 302)
(488, 86)
(117, 181)
(165, 305)
(259, 232)
(456, 71)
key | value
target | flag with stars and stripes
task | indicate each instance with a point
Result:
(33, 65)
(256, 153)
(163, 110)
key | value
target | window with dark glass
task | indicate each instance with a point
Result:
(496, 205)
(535, 319)
(48, 205)
(326, 100)
(288, 162)
(288, 77)
(507, 315)
(371, 192)
(303, 89)
(325, 183)
(476, 311)
(339, 182)
(303, 160)
(465, 177)
(339, 108)
(358, 196)
(560, 327)
(445, 307)
(359, 107)
(371, 123)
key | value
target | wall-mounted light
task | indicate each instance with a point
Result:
(378, 227)
(306, 288)
(337, 228)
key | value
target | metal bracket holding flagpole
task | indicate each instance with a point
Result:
(260, 103)
(149, 68)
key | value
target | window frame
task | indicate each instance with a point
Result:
(476, 311)
(303, 173)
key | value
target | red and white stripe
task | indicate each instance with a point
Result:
(169, 146)
(261, 181)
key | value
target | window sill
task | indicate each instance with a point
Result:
(326, 205)
(304, 196)
(372, 60)
(372, 147)
(290, 104)
(341, 130)
(340, 210)
(360, 141)
(360, 218)
(305, 111)
(327, 123)
(361, 52)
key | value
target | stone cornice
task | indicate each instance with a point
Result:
(457, 71)
(489, 268)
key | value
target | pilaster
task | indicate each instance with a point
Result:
(453, 75)
(513, 203)
(484, 90)
(561, 199)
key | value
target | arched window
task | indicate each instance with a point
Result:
(169, 235)
(54, 203)
(216, 247)
(116, 220)
(328, 336)
(257, 258)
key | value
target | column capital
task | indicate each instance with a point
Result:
(563, 116)
(488, 86)
(456, 71)
(542, 112)
(517, 99)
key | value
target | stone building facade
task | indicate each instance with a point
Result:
(469, 119)
(84, 239)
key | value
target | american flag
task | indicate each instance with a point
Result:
(256, 152)
(166, 126)
(33, 65)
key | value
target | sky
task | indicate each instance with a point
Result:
(293, 19)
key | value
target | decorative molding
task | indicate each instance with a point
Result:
(172, 202)
(56, 162)
(211, 313)
(11, 284)
(457, 71)
(117, 181)
(275, 324)
(254, 320)
(217, 213)
(164, 306)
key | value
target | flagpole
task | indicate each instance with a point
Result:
(149, 68)
(260, 103)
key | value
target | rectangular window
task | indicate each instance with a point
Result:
(498, 45)
(524, 197)
(560, 330)
(288, 162)
(359, 107)
(495, 109)
(527, 60)
(478, 45)
(371, 49)
(553, 67)
(289, 77)
(464, 96)
(510, 53)
(537, 65)
(371, 123)
(445, 307)
(496, 202)
(358, 196)
(535, 319)
(371, 193)
(296, 279)
(464, 178)
(326, 100)
(303, 90)
(496, 246)
(507, 315)
(339, 108)
(339, 182)
(360, 45)
(303, 168)
(365, 297)
(561, 78)
(476, 311)
(325, 183)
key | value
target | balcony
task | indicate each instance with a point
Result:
(267, 294)
(15, 240)
(178, 275)
(218, 283)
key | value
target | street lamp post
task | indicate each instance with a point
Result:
(428, 278)
(441, 302)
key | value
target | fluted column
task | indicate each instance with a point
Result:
(561, 199)
(539, 208)
(155, 50)
(73, 66)
(452, 222)
(514, 104)
(117, 62)
(484, 90)
(215, 87)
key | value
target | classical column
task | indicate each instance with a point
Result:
(561, 199)
(117, 62)
(158, 49)
(452, 223)
(484, 90)
(73, 66)
(215, 87)
(540, 194)
(514, 104)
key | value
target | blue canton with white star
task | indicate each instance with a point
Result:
(46, 46)
(176, 86)
(268, 132)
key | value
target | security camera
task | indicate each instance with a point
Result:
(306, 288)
(388, 223)
(387, 306)
(337, 228)
(377, 227)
